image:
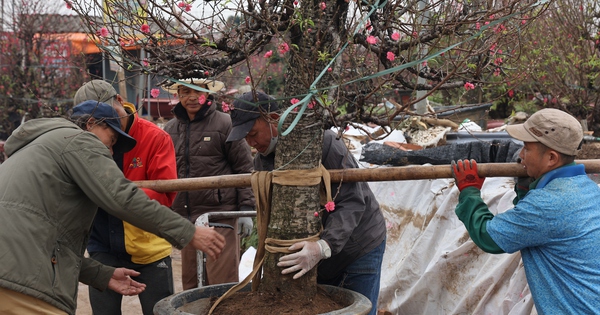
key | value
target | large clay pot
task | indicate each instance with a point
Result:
(197, 301)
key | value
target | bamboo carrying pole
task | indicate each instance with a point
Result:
(354, 175)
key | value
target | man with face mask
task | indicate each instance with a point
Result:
(351, 246)
(199, 133)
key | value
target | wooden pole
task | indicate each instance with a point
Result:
(412, 172)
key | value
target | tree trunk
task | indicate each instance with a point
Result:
(293, 208)
(292, 212)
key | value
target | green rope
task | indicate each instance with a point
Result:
(313, 90)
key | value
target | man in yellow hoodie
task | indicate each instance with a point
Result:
(117, 243)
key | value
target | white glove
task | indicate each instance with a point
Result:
(245, 226)
(305, 259)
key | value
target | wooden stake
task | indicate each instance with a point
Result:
(412, 172)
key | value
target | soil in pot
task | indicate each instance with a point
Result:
(258, 303)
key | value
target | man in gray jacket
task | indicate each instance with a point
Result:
(350, 250)
(57, 174)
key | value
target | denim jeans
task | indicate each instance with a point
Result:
(158, 277)
(363, 276)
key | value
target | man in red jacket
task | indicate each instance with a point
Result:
(117, 243)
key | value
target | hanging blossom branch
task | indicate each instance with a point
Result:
(183, 44)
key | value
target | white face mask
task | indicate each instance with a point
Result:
(271, 148)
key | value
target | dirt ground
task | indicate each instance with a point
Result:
(131, 304)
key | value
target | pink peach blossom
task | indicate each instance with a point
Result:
(104, 32)
(395, 36)
(225, 107)
(371, 40)
(391, 56)
(330, 206)
(283, 48)
(155, 93)
(202, 99)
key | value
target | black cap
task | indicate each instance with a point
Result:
(106, 113)
(246, 110)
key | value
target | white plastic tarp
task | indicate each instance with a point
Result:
(431, 266)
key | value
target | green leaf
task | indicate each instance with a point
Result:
(323, 56)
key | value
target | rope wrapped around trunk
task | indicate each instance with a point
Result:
(262, 186)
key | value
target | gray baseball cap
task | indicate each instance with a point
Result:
(95, 90)
(552, 127)
(246, 110)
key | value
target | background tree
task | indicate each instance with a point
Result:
(559, 67)
(38, 73)
(341, 59)
(561, 70)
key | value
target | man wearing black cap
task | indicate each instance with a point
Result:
(57, 174)
(351, 246)
(117, 243)
(555, 223)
